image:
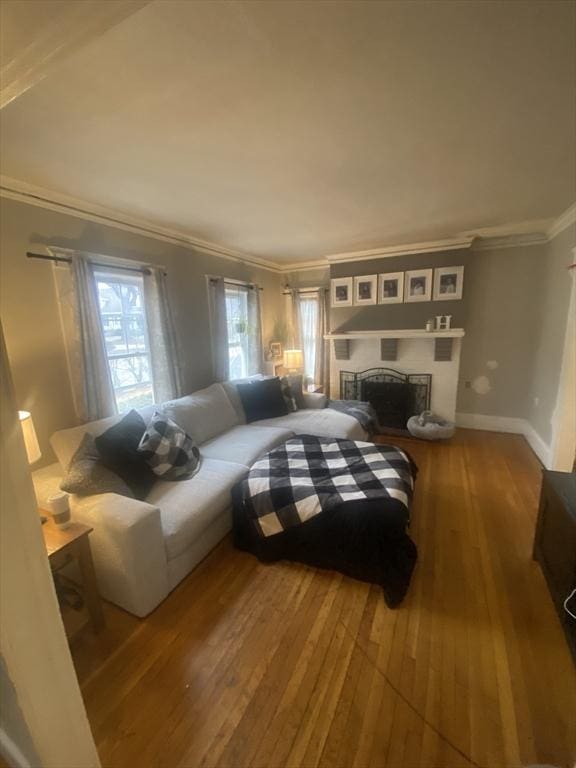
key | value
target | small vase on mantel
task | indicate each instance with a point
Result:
(429, 325)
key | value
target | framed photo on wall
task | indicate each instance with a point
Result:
(391, 288)
(365, 288)
(418, 285)
(448, 283)
(341, 291)
(275, 350)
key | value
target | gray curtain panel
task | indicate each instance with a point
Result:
(255, 348)
(322, 363)
(295, 319)
(218, 328)
(94, 396)
(164, 353)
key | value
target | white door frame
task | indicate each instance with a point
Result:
(32, 638)
(563, 446)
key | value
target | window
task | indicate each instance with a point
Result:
(237, 325)
(308, 330)
(123, 317)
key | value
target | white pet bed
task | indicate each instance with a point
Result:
(430, 427)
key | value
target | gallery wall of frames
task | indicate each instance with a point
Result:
(412, 286)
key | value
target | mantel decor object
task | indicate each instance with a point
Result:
(443, 322)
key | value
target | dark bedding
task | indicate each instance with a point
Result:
(363, 538)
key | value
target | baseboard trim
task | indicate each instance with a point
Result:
(491, 423)
(540, 448)
(510, 424)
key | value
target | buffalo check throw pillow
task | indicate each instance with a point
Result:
(169, 451)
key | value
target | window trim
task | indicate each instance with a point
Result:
(110, 272)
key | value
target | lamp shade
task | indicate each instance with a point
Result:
(30, 440)
(293, 359)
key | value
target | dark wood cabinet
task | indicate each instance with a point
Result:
(555, 543)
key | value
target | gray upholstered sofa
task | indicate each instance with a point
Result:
(143, 549)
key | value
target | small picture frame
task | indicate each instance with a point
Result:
(365, 288)
(391, 288)
(341, 291)
(448, 283)
(418, 285)
(275, 350)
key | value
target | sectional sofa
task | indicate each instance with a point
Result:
(143, 549)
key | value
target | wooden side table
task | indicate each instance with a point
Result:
(64, 546)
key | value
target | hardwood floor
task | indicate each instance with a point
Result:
(281, 665)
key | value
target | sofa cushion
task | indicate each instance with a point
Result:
(87, 474)
(203, 414)
(169, 451)
(297, 387)
(320, 422)
(262, 399)
(66, 442)
(245, 443)
(188, 507)
(287, 394)
(118, 447)
(231, 389)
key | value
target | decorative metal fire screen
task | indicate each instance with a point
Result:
(354, 386)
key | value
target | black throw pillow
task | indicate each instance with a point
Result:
(118, 448)
(296, 385)
(262, 399)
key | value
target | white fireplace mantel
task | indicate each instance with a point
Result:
(407, 351)
(405, 333)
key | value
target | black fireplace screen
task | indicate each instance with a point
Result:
(395, 396)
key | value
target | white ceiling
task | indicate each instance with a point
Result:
(291, 130)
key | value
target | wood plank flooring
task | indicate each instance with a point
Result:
(281, 665)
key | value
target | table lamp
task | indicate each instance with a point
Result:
(293, 360)
(30, 440)
(33, 451)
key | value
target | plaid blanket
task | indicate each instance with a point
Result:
(363, 412)
(309, 475)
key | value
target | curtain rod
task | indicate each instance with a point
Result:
(68, 260)
(287, 290)
(237, 283)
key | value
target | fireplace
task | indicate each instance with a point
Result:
(395, 396)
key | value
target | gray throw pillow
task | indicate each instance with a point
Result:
(287, 394)
(87, 475)
(296, 387)
(168, 450)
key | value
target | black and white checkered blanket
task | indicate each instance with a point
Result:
(309, 475)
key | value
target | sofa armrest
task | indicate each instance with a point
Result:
(128, 549)
(315, 400)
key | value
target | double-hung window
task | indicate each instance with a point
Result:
(308, 332)
(237, 326)
(125, 329)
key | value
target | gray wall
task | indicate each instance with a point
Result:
(548, 341)
(397, 316)
(308, 278)
(30, 316)
(502, 315)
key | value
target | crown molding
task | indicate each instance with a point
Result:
(563, 221)
(527, 234)
(510, 241)
(40, 197)
(388, 251)
(304, 266)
